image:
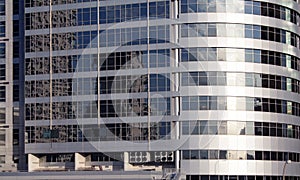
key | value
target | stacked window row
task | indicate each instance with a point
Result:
(240, 31)
(100, 157)
(238, 177)
(63, 18)
(88, 16)
(134, 12)
(88, 86)
(135, 107)
(240, 104)
(240, 79)
(37, 88)
(271, 10)
(35, 3)
(134, 36)
(89, 39)
(213, 127)
(89, 109)
(134, 84)
(88, 62)
(240, 6)
(240, 55)
(104, 132)
(135, 60)
(241, 155)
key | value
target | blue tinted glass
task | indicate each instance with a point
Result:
(283, 60)
(183, 2)
(283, 105)
(283, 83)
(160, 9)
(257, 56)
(135, 11)
(184, 55)
(102, 15)
(162, 128)
(152, 11)
(192, 8)
(167, 9)
(256, 32)
(94, 16)
(143, 10)
(248, 7)
(184, 8)
(248, 55)
(283, 36)
(248, 33)
(256, 8)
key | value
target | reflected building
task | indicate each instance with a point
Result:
(207, 88)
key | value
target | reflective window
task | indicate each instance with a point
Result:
(235, 177)
(240, 128)
(2, 71)
(2, 7)
(2, 116)
(2, 138)
(241, 31)
(2, 51)
(240, 6)
(103, 132)
(226, 103)
(240, 55)
(2, 94)
(2, 29)
(238, 155)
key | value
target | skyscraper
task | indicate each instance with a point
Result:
(210, 87)
(11, 60)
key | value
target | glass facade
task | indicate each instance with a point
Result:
(177, 84)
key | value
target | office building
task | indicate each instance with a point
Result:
(209, 88)
(12, 157)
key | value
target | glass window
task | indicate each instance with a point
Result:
(2, 51)
(203, 154)
(2, 137)
(186, 154)
(250, 155)
(2, 94)
(203, 127)
(213, 154)
(258, 155)
(195, 154)
(2, 116)
(2, 159)
(2, 7)
(223, 154)
(2, 29)
(2, 71)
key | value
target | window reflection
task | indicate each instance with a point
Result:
(212, 127)
(240, 155)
